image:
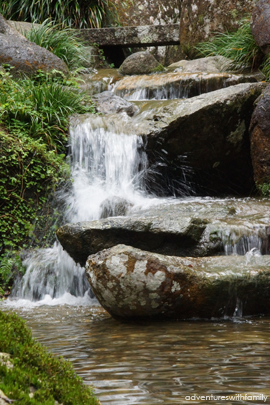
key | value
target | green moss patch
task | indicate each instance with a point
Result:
(35, 376)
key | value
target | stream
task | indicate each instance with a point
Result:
(147, 362)
(155, 363)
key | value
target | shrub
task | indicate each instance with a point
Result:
(33, 137)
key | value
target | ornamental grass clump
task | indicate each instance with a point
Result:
(71, 13)
(239, 46)
(63, 42)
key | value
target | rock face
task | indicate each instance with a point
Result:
(260, 25)
(200, 19)
(260, 138)
(139, 63)
(108, 103)
(188, 228)
(130, 284)
(25, 56)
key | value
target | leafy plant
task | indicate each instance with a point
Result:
(71, 13)
(51, 378)
(33, 136)
(239, 46)
(40, 108)
(63, 42)
(10, 267)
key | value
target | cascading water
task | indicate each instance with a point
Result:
(107, 170)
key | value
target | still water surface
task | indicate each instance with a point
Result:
(157, 363)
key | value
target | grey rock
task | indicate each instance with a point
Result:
(108, 103)
(25, 56)
(210, 64)
(186, 228)
(139, 63)
(114, 206)
(134, 284)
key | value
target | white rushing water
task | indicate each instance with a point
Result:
(107, 169)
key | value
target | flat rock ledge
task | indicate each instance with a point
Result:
(134, 284)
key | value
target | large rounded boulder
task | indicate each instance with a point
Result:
(260, 25)
(131, 283)
(260, 138)
(139, 63)
(24, 56)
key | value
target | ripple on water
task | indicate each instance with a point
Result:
(156, 363)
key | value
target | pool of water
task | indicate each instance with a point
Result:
(158, 363)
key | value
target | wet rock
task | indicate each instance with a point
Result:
(108, 103)
(177, 84)
(139, 63)
(25, 56)
(115, 206)
(186, 228)
(260, 27)
(99, 81)
(210, 64)
(260, 138)
(201, 19)
(200, 144)
(134, 284)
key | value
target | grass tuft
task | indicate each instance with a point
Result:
(239, 46)
(63, 42)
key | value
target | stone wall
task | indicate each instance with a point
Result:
(201, 18)
(156, 12)
(146, 12)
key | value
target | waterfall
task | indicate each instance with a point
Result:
(107, 169)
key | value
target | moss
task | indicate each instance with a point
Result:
(159, 68)
(34, 371)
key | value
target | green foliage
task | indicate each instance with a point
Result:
(40, 108)
(63, 42)
(238, 46)
(34, 120)
(71, 13)
(10, 267)
(264, 189)
(51, 378)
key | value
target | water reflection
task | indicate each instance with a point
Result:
(157, 363)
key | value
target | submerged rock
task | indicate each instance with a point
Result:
(131, 283)
(260, 25)
(108, 103)
(139, 63)
(185, 228)
(24, 56)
